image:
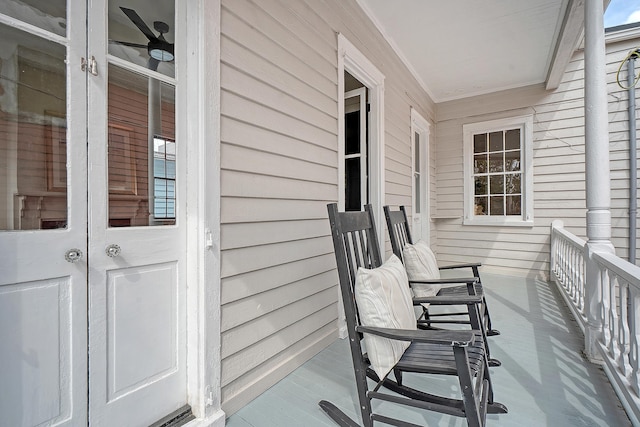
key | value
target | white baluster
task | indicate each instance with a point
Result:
(623, 336)
(634, 316)
(607, 319)
(614, 330)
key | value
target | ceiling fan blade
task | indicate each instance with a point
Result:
(152, 64)
(144, 46)
(135, 18)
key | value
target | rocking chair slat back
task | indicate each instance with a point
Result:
(399, 233)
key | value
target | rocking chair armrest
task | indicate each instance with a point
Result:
(450, 338)
(448, 300)
(452, 266)
(446, 281)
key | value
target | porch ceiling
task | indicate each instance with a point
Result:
(463, 48)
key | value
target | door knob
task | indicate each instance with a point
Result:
(73, 255)
(113, 250)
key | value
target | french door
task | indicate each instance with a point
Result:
(92, 295)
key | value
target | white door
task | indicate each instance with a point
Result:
(420, 172)
(92, 220)
(355, 146)
(137, 298)
(43, 215)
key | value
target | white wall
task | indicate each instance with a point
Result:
(279, 127)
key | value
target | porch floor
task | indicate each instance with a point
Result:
(544, 379)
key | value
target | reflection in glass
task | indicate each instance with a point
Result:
(164, 172)
(497, 173)
(143, 33)
(512, 161)
(495, 141)
(496, 205)
(480, 207)
(50, 15)
(481, 186)
(512, 139)
(416, 159)
(512, 184)
(417, 187)
(514, 205)
(480, 163)
(142, 150)
(480, 143)
(33, 132)
(352, 184)
(496, 184)
(352, 132)
(496, 162)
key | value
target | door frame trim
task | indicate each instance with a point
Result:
(350, 59)
(201, 110)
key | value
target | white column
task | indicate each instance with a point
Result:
(598, 181)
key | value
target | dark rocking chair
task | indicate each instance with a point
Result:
(458, 353)
(399, 234)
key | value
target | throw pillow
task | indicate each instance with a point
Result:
(421, 264)
(384, 300)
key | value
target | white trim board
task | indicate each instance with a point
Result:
(350, 59)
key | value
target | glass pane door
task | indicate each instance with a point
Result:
(43, 213)
(33, 132)
(141, 149)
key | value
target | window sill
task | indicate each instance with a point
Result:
(498, 222)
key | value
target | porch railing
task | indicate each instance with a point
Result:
(618, 283)
(568, 269)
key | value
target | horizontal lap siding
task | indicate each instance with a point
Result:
(619, 143)
(559, 169)
(279, 125)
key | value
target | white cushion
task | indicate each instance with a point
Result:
(420, 263)
(384, 300)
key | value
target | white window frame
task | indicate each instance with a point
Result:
(363, 155)
(353, 61)
(525, 124)
(422, 127)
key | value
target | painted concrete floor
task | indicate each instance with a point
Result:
(544, 379)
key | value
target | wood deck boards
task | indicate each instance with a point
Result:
(544, 379)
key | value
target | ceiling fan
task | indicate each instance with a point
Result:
(159, 49)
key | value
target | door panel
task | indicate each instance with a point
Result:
(137, 292)
(36, 352)
(137, 351)
(43, 215)
(148, 293)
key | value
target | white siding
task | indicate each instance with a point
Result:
(559, 180)
(279, 157)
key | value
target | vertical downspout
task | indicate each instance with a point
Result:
(633, 171)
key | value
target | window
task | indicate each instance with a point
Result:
(420, 169)
(356, 148)
(164, 176)
(498, 172)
